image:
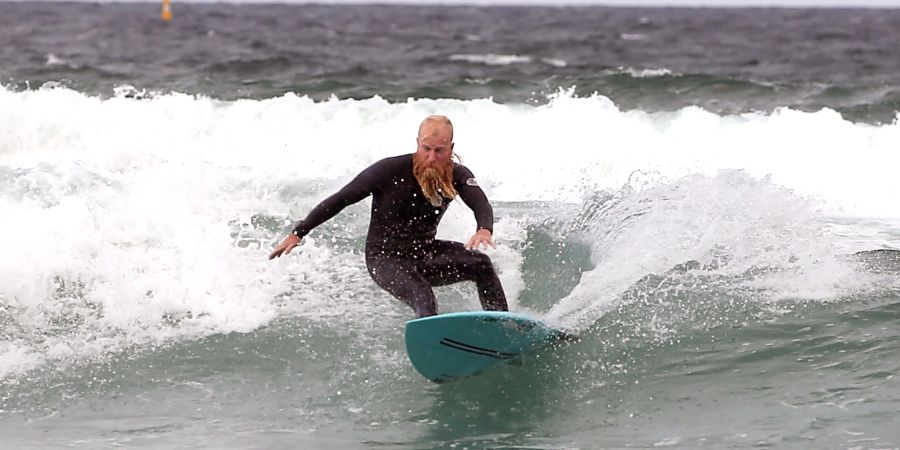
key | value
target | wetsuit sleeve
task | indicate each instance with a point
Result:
(474, 197)
(359, 188)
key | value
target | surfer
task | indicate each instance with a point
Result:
(410, 194)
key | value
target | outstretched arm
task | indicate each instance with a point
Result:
(475, 198)
(361, 187)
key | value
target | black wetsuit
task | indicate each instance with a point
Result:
(402, 255)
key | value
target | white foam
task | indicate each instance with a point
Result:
(492, 59)
(632, 37)
(647, 72)
(119, 213)
(53, 60)
(555, 62)
(555, 151)
(17, 358)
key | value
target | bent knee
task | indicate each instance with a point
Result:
(481, 261)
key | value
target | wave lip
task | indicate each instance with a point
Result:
(743, 238)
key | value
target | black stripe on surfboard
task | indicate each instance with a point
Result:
(476, 350)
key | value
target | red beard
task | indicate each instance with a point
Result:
(436, 181)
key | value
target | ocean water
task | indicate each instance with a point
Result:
(708, 197)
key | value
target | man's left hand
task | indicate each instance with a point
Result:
(481, 237)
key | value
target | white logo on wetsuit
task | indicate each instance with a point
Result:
(472, 182)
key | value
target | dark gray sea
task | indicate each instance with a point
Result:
(707, 196)
(725, 60)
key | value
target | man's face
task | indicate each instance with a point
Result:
(435, 147)
(432, 165)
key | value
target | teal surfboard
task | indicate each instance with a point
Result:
(457, 345)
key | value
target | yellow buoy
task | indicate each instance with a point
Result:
(166, 11)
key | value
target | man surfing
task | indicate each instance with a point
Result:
(410, 194)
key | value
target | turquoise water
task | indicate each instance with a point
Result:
(820, 375)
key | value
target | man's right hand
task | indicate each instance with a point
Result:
(285, 246)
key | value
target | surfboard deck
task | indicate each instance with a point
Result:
(458, 345)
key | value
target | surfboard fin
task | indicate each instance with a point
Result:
(562, 336)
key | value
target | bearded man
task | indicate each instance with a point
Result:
(410, 194)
